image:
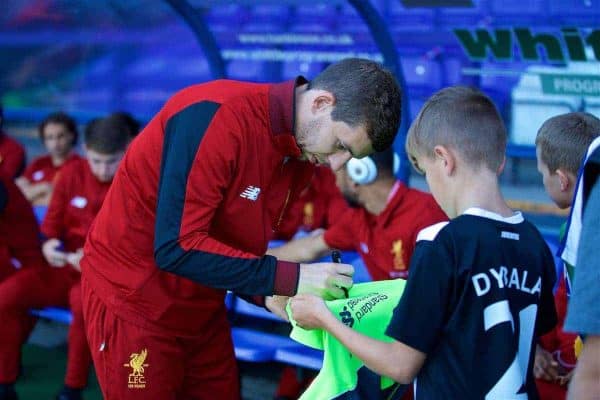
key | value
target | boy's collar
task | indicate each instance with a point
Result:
(516, 218)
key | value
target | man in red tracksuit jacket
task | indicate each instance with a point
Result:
(76, 199)
(191, 210)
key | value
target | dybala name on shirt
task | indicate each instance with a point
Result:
(511, 278)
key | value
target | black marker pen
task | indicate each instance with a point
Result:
(336, 257)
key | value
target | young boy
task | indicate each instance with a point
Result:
(480, 288)
(561, 144)
(78, 194)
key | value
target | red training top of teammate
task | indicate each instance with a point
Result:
(318, 206)
(43, 170)
(19, 236)
(386, 241)
(12, 157)
(193, 205)
(76, 199)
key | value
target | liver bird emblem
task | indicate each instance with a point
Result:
(136, 362)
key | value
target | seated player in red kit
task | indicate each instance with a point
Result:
(58, 133)
(12, 154)
(318, 206)
(78, 194)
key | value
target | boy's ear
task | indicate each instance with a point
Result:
(565, 180)
(446, 157)
(501, 167)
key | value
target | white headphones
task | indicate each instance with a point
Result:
(362, 170)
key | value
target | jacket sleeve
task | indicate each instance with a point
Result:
(53, 225)
(200, 151)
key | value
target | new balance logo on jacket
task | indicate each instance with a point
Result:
(250, 193)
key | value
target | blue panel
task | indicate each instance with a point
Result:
(585, 9)
(247, 70)
(232, 14)
(419, 71)
(270, 13)
(291, 69)
(316, 11)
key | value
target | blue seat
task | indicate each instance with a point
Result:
(301, 356)
(242, 307)
(54, 314)
(40, 213)
(257, 346)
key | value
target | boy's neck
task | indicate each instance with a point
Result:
(480, 189)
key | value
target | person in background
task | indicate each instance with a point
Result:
(318, 206)
(78, 194)
(12, 154)
(561, 145)
(584, 313)
(127, 119)
(383, 229)
(58, 133)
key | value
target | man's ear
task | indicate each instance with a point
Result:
(322, 100)
(565, 179)
(446, 157)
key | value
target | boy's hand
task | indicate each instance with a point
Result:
(325, 279)
(309, 311)
(55, 257)
(277, 304)
(564, 380)
(545, 366)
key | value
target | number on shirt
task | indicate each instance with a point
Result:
(514, 377)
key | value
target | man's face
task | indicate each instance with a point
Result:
(57, 140)
(551, 182)
(103, 166)
(324, 141)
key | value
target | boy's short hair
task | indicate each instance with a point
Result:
(59, 118)
(463, 119)
(563, 140)
(107, 135)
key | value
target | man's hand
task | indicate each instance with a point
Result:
(75, 258)
(325, 280)
(309, 311)
(277, 304)
(55, 257)
(545, 366)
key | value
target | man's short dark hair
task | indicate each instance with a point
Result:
(564, 139)
(107, 135)
(384, 160)
(59, 118)
(365, 93)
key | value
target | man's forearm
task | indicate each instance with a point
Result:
(306, 249)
